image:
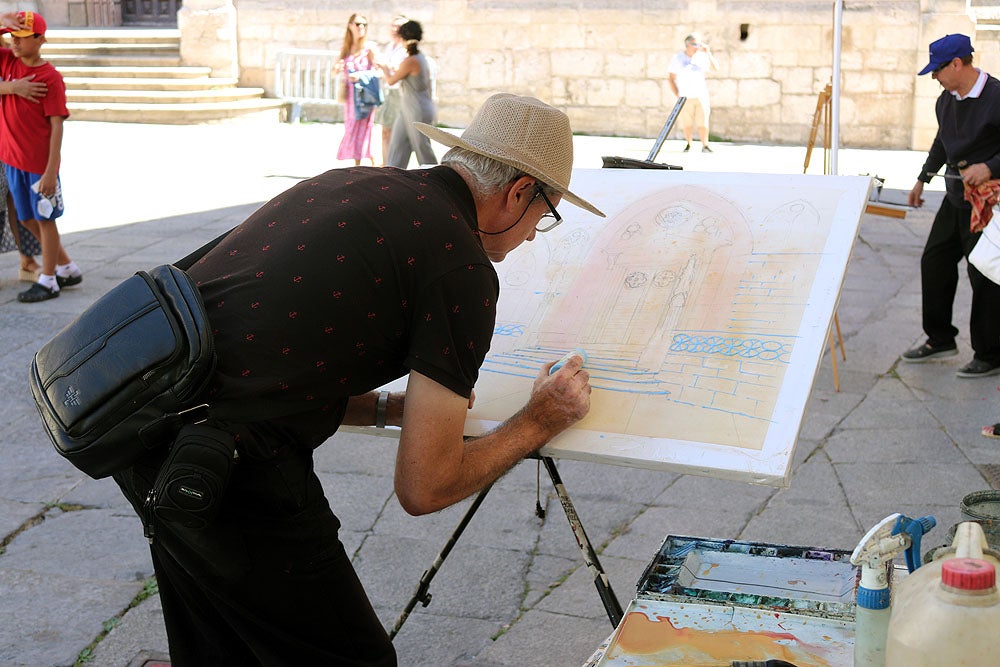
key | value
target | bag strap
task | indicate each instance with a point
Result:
(234, 411)
(238, 412)
(187, 262)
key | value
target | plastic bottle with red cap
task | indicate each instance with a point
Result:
(951, 617)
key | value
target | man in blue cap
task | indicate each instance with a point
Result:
(968, 142)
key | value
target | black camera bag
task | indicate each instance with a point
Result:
(189, 488)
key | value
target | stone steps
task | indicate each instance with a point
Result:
(107, 61)
(164, 96)
(123, 83)
(185, 113)
(134, 75)
(135, 72)
(63, 36)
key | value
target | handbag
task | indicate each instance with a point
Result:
(122, 378)
(985, 255)
(367, 93)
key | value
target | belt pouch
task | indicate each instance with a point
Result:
(191, 484)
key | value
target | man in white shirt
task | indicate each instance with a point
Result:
(687, 79)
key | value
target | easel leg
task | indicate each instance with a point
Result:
(666, 129)
(833, 364)
(608, 598)
(421, 594)
(611, 604)
(840, 338)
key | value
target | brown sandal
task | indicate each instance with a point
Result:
(28, 275)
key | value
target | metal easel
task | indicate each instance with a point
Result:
(611, 161)
(611, 605)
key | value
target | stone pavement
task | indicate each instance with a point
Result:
(75, 574)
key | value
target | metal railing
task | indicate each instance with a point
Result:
(306, 76)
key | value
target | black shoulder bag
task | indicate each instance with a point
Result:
(126, 375)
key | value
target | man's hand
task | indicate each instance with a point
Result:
(916, 199)
(436, 467)
(559, 400)
(976, 174)
(28, 89)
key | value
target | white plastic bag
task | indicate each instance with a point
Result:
(985, 256)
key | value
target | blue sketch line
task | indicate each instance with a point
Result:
(737, 413)
(515, 330)
(607, 373)
(732, 346)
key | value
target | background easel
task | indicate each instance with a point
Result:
(823, 115)
(613, 161)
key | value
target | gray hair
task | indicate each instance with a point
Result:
(489, 176)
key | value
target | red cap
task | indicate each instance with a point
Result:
(968, 574)
(33, 22)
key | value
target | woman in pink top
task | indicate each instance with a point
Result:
(355, 56)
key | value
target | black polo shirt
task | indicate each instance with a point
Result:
(345, 282)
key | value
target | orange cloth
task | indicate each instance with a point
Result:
(983, 198)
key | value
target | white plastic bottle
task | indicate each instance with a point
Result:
(952, 619)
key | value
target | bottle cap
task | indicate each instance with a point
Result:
(968, 574)
(873, 598)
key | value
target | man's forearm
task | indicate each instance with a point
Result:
(363, 410)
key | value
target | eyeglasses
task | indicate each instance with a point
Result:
(552, 215)
(361, 25)
(551, 219)
(940, 67)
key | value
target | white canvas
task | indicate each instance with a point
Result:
(703, 302)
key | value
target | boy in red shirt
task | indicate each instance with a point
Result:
(30, 147)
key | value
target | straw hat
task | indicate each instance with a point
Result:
(524, 133)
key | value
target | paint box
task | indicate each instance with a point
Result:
(705, 603)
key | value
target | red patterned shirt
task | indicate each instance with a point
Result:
(345, 282)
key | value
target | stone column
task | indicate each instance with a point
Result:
(208, 36)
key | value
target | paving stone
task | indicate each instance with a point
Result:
(534, 637)
(900, 445)
(76, 544)
(139, 630)
(428, 638)
(476, 582)
(505, 519)
(889, 404)
(47, 618)
(14, 514)
(514, 591)
(354, 500)
(908, 483)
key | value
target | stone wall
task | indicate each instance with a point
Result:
(605, 63)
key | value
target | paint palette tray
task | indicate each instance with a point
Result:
(709, 602)
(805, 580)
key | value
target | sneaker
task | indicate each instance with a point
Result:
(706, 149)
(977, 368)
(37, 292)
(69, 281)
(686, 148)
(926, 352)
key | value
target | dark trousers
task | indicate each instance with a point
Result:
(948, 242)
(268, 583)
